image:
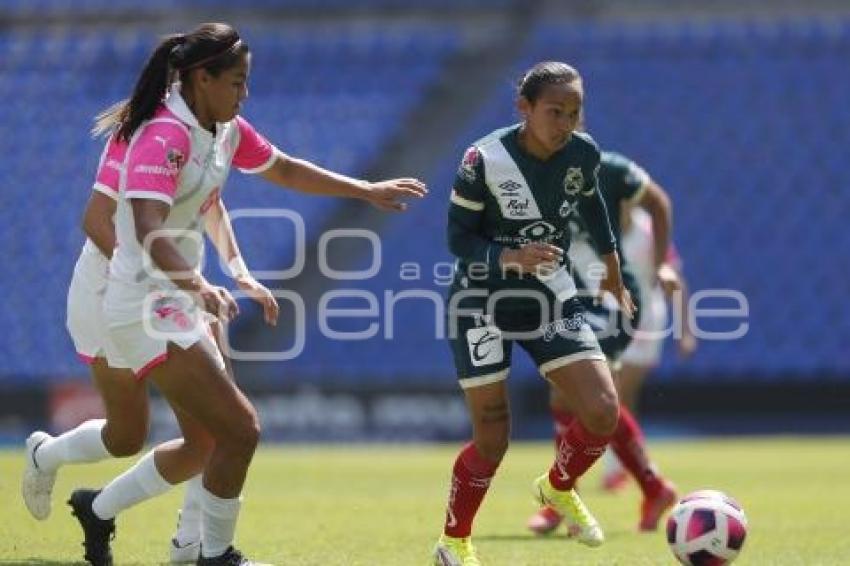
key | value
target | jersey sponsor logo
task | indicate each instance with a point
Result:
(573, 181)
(507, 184)
(485, 346)
(563, 327)
(536, 231)
(154, 170)
(509, 193)
(175, 159)
(518, 208)
(468, 163)
(540, 231)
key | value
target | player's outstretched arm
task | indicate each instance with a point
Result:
(309, 178)
(613, 283)
(657, 203)
(220, 231)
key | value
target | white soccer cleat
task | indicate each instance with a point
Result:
(186, 553)
(37, 485)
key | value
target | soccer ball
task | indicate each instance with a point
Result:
(706, 528)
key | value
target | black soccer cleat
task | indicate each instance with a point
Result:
(231, 557)
(97, 532)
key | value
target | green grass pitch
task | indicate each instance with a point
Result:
(380, 505)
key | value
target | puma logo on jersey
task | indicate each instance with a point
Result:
(162, 140)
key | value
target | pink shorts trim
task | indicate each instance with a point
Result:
(88, 360)
(142, 373)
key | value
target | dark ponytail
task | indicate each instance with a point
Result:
(126, 116)
(213, 47)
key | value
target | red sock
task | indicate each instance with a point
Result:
(576, 450)
(470, 479)
(628, 445)
(562, 421)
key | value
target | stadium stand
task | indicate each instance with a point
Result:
(745, 123)
(362, 81)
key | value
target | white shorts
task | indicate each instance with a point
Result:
(84, 312)
(645, 348)
(143, 319)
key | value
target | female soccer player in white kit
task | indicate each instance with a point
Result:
(125, 428)
(178, 157)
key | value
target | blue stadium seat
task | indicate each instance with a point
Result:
(746, 125)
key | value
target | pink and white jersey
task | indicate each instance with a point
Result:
(171, 158)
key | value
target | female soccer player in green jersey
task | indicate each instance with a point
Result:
(513, 194)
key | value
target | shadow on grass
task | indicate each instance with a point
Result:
(558, 538)
(46, 562)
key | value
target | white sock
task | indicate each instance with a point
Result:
(82, 444)
(218, 523)
(189, 520)
(142, 481)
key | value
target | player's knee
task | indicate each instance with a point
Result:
(200, 445)
(601, 416)
(244, 432)
(122, 444)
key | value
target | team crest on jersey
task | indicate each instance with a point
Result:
(175, 159)
(468, 164)
(567, 209)
(573, 181)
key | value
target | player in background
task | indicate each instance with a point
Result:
(157, 303)
(643, 354)
(508, 228)
(623, 184)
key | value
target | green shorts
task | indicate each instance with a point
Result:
(482, 342)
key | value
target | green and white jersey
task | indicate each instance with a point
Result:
(621, 180)
(505, 197)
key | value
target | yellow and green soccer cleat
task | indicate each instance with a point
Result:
(451, 551)
(581, 524)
